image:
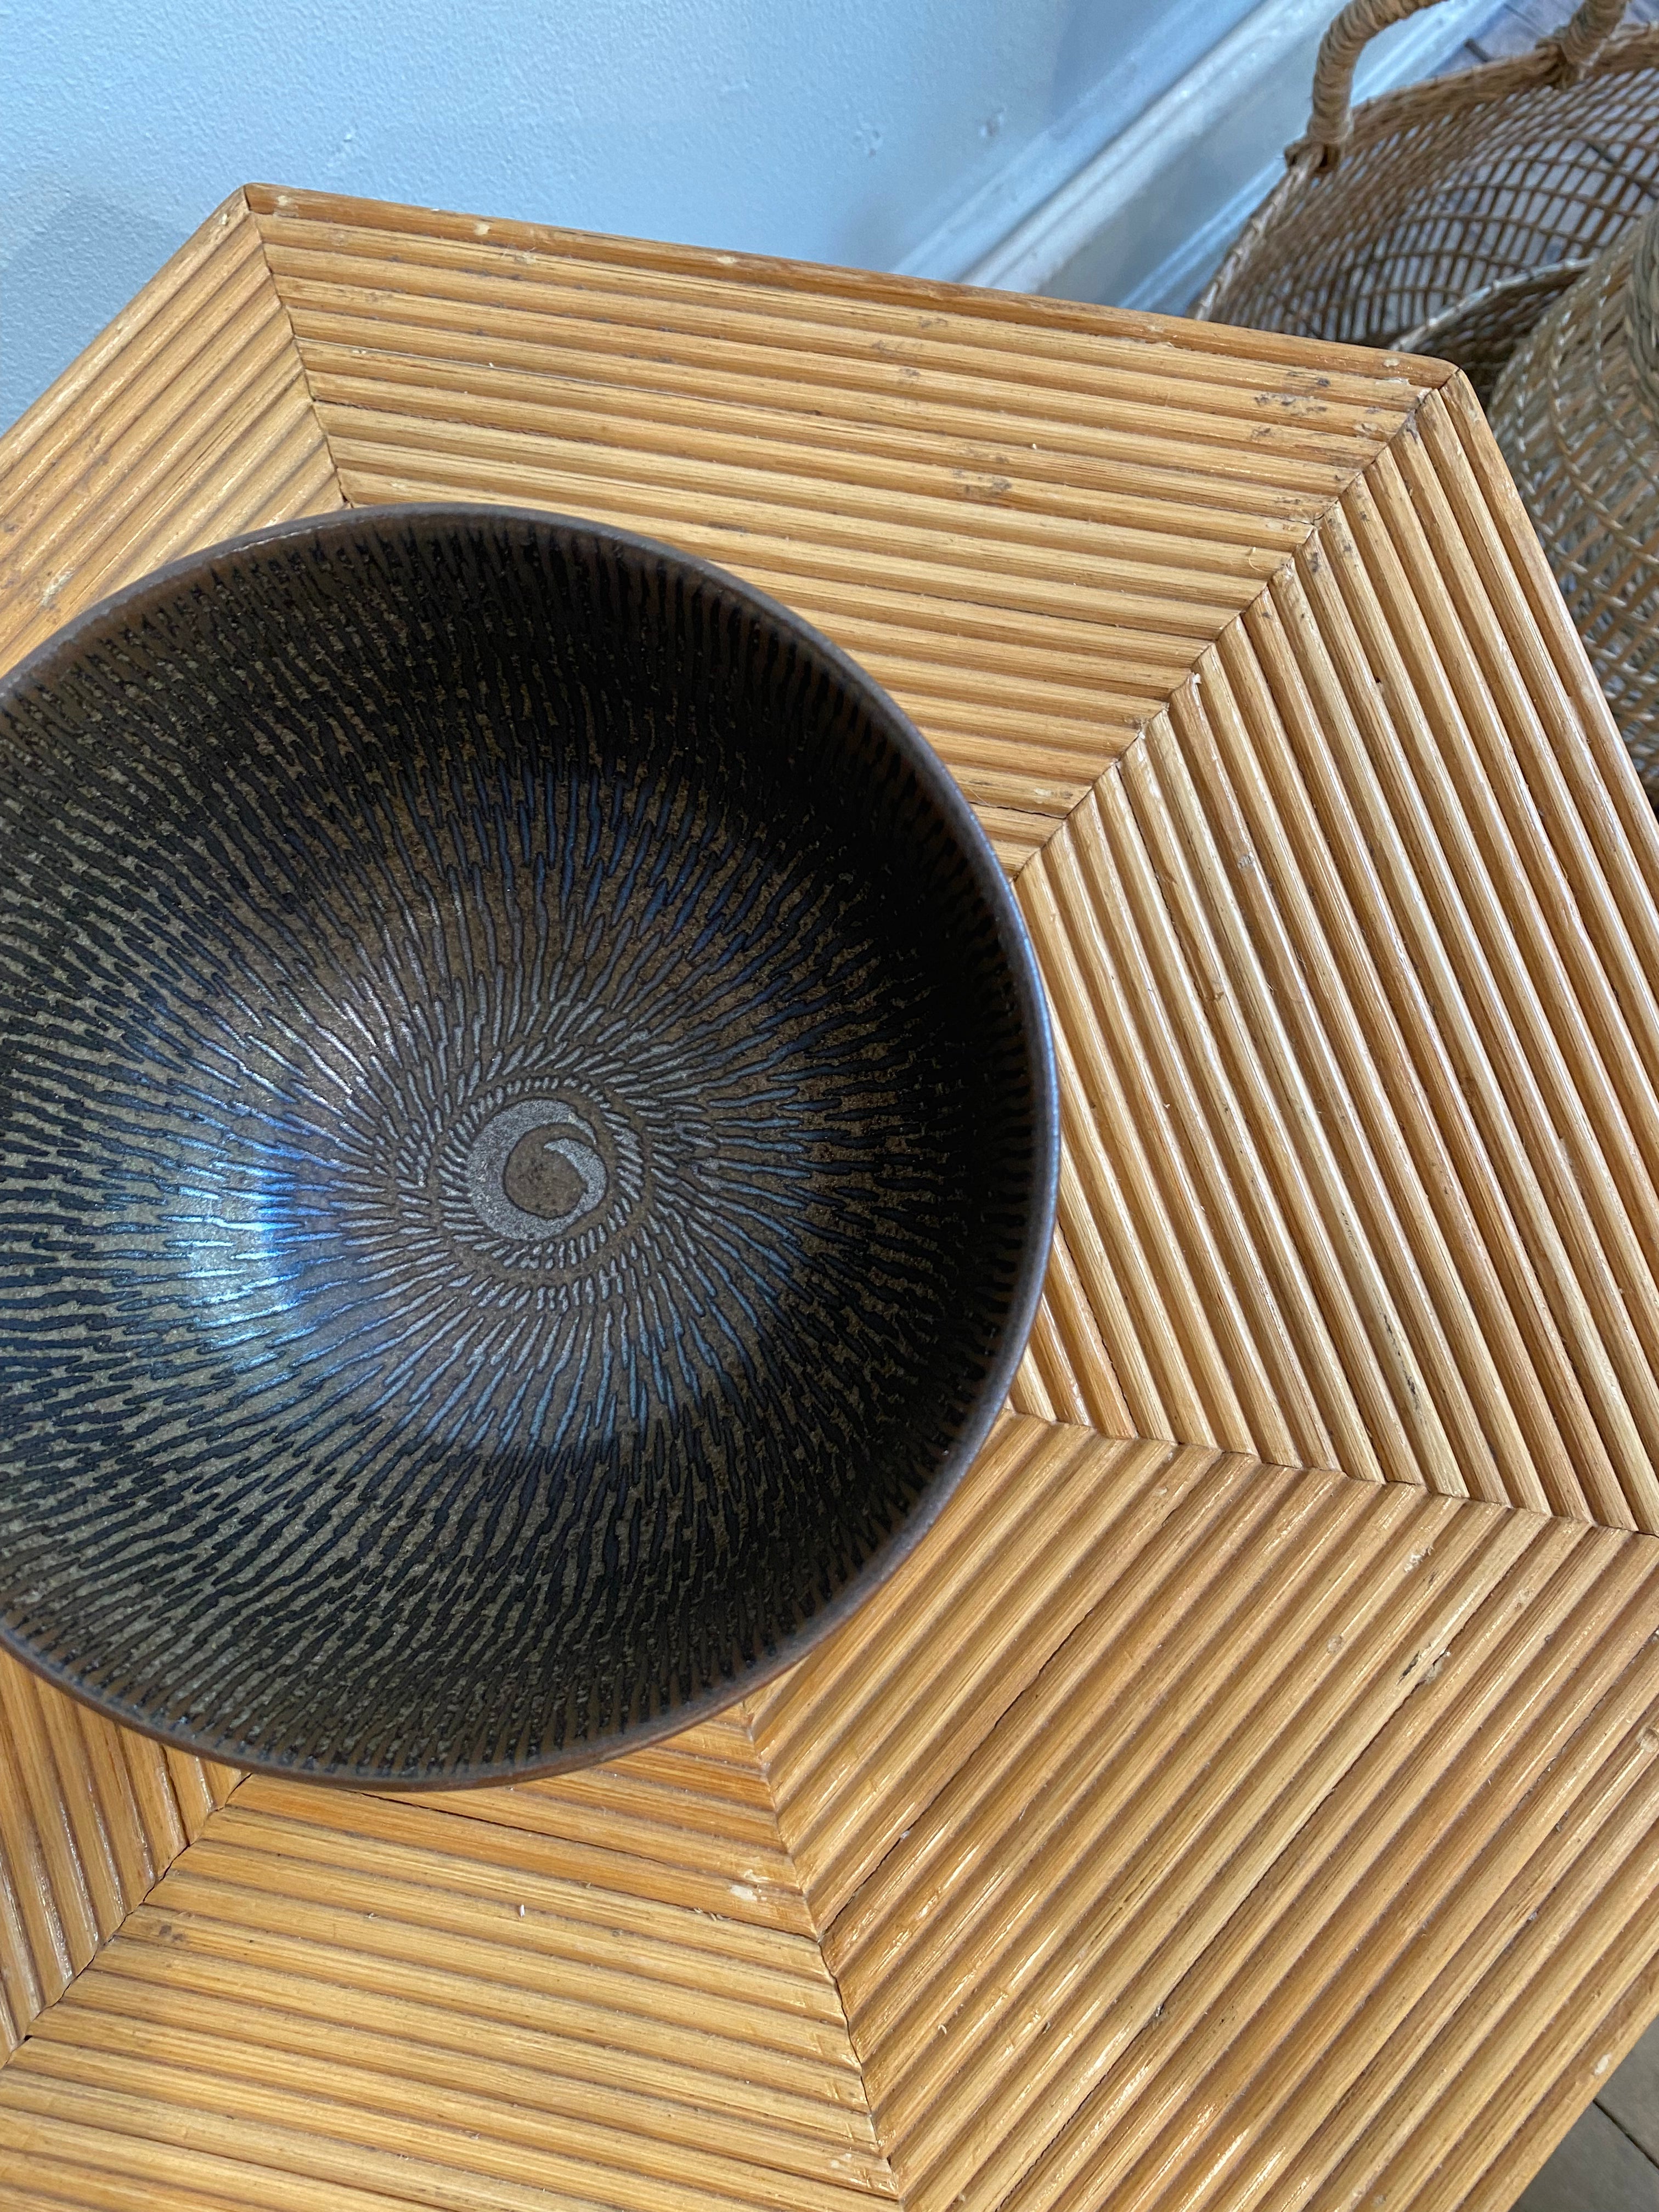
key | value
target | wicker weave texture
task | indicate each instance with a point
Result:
(1577, 417)
(1481, 332)
(1445, 189)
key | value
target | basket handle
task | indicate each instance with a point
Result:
(1576, 45)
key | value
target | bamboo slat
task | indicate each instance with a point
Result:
(329, 2001)
(632, 1817)
(187, 420)
(1244, 1796)
(90, 1815)
(1359, 1036)
(1025, 529)
(1205, 1873)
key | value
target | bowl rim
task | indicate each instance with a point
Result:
(994, 887)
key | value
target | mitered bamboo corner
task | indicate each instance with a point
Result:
(1246, 1797)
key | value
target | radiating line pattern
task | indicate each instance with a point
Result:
(187, 420)
(333, 2002)
(1024, 524)
(90, 1815)
(1256, 1844)
(341, 872)
(1359, 1036)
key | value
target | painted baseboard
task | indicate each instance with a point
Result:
(1142, 219)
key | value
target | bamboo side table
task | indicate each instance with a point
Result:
(1247, 1796)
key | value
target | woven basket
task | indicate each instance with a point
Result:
(1577, 414)
(1433, 219)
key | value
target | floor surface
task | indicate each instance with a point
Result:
(1608, 2160)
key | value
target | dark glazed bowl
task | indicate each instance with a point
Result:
(528, 1138)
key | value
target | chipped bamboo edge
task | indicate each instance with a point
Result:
(848, 284)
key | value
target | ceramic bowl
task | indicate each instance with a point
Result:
(528, 1139)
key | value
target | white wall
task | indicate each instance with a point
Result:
(1143, 220)
(889, 133)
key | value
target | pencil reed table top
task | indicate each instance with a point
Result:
(1246, 1796)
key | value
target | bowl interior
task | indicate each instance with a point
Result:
(526, 1138)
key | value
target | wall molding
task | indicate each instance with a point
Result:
(1143, 218)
